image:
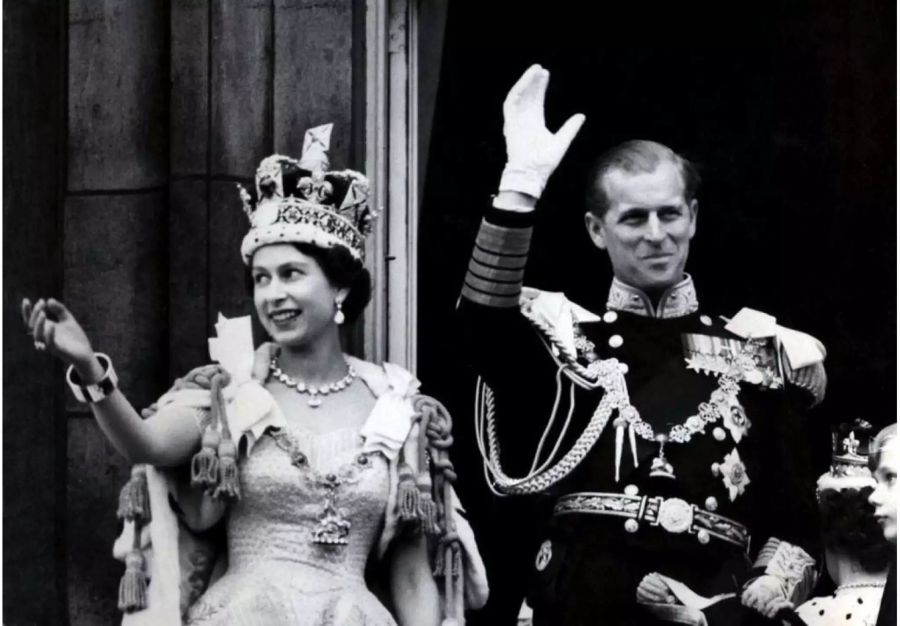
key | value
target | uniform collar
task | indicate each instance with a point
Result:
(677, 301)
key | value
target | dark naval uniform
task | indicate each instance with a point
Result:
(646, 438)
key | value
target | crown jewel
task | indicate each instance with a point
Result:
(849, 461)
(302, 201)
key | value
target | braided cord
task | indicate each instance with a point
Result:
(607, 374)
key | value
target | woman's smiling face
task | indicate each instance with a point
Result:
(292, 296)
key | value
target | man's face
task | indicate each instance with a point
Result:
(647, 228)
(884, 496)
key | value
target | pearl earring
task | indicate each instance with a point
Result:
(339, 314)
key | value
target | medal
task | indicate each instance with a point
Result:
(660, 467)
(333, 528)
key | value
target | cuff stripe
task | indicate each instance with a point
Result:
(502, 246)
(493, 287)
(491, 300)
(500, 229)
(518, 235)
(499, 261)
(486, 272)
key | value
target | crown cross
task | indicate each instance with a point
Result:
(315, 187)
(851, 443)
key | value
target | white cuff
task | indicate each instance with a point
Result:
(791, 565)
(524, 181)
(497, 203)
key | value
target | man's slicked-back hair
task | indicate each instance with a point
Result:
(637, 156)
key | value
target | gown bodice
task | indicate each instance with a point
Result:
(299, 491)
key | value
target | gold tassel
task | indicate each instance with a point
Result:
(229, 488)
(620, 424)
(456, 565)
(439, 559)
(407, 495)
(134, 499)
(428, 512)
(205, 464)
(133, 587)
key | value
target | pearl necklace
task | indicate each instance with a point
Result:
(314, 392)
(859, 586)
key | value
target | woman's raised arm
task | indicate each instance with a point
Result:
(168, 439)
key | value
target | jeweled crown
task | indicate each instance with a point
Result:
(302, 201)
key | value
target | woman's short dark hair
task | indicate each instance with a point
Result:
(342, 270)
(849, 526)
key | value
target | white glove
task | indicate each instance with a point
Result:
(766, 596)
(653, 590)
(532, 151)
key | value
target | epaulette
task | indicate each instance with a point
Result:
(554, 316)
(801, 356)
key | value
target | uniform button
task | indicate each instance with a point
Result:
(711, 504)
(623, 367)
(631, 525)
(543, 556)
(706, 320)
(610, 316)
(703, 536)
(719, 433)
(615, 341)
(631, 490)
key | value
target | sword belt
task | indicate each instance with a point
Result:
(673, 515)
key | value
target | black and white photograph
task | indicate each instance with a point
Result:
(434, 313)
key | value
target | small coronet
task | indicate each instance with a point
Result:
(849, 461)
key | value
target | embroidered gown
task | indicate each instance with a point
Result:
(277, 572)
(317, 513)
(314, 509)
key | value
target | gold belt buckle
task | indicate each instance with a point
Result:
(675, 515)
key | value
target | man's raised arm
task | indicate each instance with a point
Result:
(497, 266)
